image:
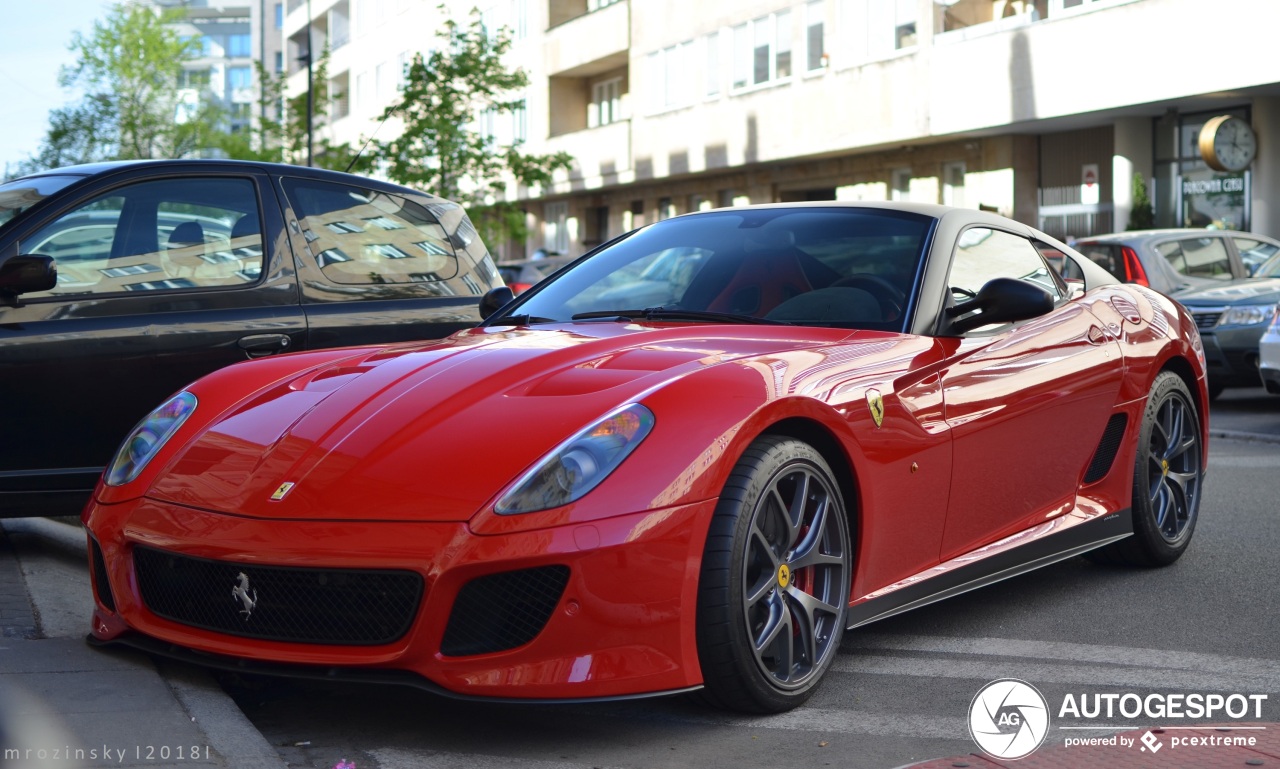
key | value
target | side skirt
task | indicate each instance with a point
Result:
(1050, 542)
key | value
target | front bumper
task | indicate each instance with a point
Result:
(1231, 355)
(1269, 359)
(623, 626)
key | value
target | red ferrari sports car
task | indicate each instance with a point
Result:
(844, 411)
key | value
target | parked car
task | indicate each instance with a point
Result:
(852, 410)
(521, 276)
(167, 270)
(1269, 355)
(1176, 260)
(1232, 318)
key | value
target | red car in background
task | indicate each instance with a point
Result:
(848, 411)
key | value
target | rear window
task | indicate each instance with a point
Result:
(1106, 256)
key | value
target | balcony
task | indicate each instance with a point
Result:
(590, 43)
(601, 155)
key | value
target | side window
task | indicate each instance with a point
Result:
(1201, 257)
(360, 237)
(983, 254)
(152, 236)
(1254, 252)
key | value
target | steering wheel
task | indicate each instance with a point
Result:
(892, 300)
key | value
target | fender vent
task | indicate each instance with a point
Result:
(502, 611)
(1105, 454)
(100, 582)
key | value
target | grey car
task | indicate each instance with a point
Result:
(1232, 318)
(1178, 260)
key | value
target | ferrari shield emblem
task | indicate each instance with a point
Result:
(285, 488)
(876, 405)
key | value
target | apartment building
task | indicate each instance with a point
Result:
(1042, 110)
(226, 31)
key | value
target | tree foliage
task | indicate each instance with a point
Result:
(1143, 216)
(440, 149)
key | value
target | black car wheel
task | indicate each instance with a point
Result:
(1167, 479)
(776, 576)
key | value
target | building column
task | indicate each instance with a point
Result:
(1132, 154)
(1264, 189)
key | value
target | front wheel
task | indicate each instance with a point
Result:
(775, 582)
(1167, 479)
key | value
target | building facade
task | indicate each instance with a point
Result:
(1041, 110)
(227, 31)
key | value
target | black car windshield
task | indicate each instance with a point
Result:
(19, 195)
(842, 267)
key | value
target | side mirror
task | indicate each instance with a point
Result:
(25, 273)
(495, 299)
(1001, 300)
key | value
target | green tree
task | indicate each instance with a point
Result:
(445, 93)
(1143, 216)
(131, 62)
(279, 133)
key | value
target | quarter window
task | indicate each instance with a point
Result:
(359, 237)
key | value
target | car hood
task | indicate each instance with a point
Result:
(1264, 291)
(434, 432)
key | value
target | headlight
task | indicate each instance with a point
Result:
(148, 437)
(1247, 315)
(579, 464)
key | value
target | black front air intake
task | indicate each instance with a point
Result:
(502, 611)
(357, 607)
(1107, 449)
(100, 582)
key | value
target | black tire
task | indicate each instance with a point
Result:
(775, 582)
(1168, 477)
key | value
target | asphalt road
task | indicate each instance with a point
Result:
(900, 689)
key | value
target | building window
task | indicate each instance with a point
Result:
(815, 46)
(279, 62)
(900, 184)
(194, 78)
(953, 184)
(874, 29)
(556, 227)
(595, 5)
(239, 77)
(713, 64)
(669, 69)
(762, 50)
(279, 15)
(606, 103)
(238, 46)
(520, 123)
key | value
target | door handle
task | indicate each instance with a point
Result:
(261, 345)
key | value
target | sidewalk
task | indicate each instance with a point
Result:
(64, 704)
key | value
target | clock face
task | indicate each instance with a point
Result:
(1228, 144)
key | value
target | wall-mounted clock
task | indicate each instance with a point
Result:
(1228, 143)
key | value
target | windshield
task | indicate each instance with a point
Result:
(843, 267)
(19, 195)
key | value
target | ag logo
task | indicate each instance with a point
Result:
(1009, 718)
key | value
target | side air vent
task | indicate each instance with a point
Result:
(1105, 454)
(502, 611)
(100, 582)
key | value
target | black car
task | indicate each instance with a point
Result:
(167, 270)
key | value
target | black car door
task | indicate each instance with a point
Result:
(163, 276)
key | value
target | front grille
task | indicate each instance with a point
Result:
(100, 581)
(1105, 454)
(279, 603)
(502, 611)
(1206, 320)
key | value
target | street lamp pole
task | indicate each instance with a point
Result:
(310, 91)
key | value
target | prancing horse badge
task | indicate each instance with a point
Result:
(876, 404)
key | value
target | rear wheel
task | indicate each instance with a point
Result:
(1167, 479)
(775, 582)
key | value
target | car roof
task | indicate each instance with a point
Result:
(94, 169)
(1133, 236)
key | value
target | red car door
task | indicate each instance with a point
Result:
(1026, 404)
